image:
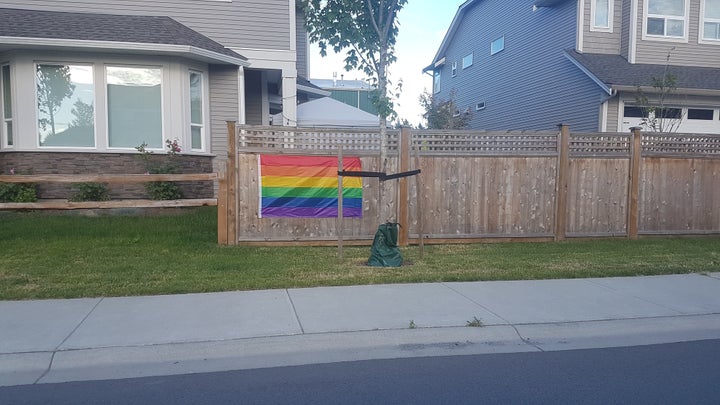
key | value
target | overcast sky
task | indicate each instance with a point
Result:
(423, 24)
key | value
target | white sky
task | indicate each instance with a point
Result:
(423, 24)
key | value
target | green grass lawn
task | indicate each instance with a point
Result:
(64, 256)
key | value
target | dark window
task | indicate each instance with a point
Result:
(635, 112)
(700, 114)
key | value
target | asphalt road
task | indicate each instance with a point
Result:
(678, 373)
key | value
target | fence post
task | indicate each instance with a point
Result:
(232, 179)
(403, 214)
(634, 183)
(563, 169)
(340, 224)
(222, 207)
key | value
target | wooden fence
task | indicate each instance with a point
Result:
(486, 186)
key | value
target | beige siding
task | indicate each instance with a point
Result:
(625, 29)
(257, 24)
(253, 97)
(612, 114)
(691, 53)
(603, 42)
(302, 45)
(223, 106)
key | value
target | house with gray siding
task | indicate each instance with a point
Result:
(532, 64)
(88, 77)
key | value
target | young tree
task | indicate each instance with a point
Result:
(366, 30)
(53, 86)
(443, 114)
(657, 115)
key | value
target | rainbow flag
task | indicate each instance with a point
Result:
(307, 187)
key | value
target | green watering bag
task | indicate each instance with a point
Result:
(384, 252)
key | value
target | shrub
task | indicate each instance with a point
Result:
(162, 190)
(18, 192)
(90, 192)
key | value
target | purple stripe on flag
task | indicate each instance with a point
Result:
(306, 212)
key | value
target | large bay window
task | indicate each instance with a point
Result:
(7, 116)
(196, 111)
(710, 25)
(65, 112)
(77, 103)
(666, 18)
(134, 107)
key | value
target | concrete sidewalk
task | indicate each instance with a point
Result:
(105, 338)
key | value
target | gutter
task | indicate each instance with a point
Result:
(129, 47)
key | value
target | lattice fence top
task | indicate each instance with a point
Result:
(480, 143)
(606, 145)
(314, 140)
(326, 141)
(681, 145)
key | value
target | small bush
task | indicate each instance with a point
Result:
(90, 192)
(163, 190)
(18, 192)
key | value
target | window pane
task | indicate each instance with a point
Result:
(634, 112)
(602, 13)
(667, 7)
(196, 134)
(436, 82)
(700, 114)
(9, 132)
(711, 31)
(467, 61)
(656, 26)
(497, 45)
(675, 28)
(196, 98)
(134, 98)
(712, 9)
(7, 96)
(66, 115)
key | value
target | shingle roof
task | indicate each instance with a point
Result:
(614, 70)
(105, 27)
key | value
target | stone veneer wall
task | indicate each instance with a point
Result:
(102, 163)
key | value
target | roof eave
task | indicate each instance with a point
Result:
(312, 90)
(187, 51)
(450, 33)
(604, 86)
(680, 91)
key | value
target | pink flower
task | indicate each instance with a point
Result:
(12, 171)
(147, 173)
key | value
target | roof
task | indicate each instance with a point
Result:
(305, 85)
(462, 9)
(109, 32)
(614, 72)
(328, 112)
(342, 84)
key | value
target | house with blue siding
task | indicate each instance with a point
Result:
(533, 64)
(87, 81)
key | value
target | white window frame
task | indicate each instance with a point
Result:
(703, 20)
(500, 40)
(203, 124)
(437, 77)
(37, 112)
(666, 38)
(469, 57)
(593, 11)
(453, 69)
(6, 120)
(106, 110)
